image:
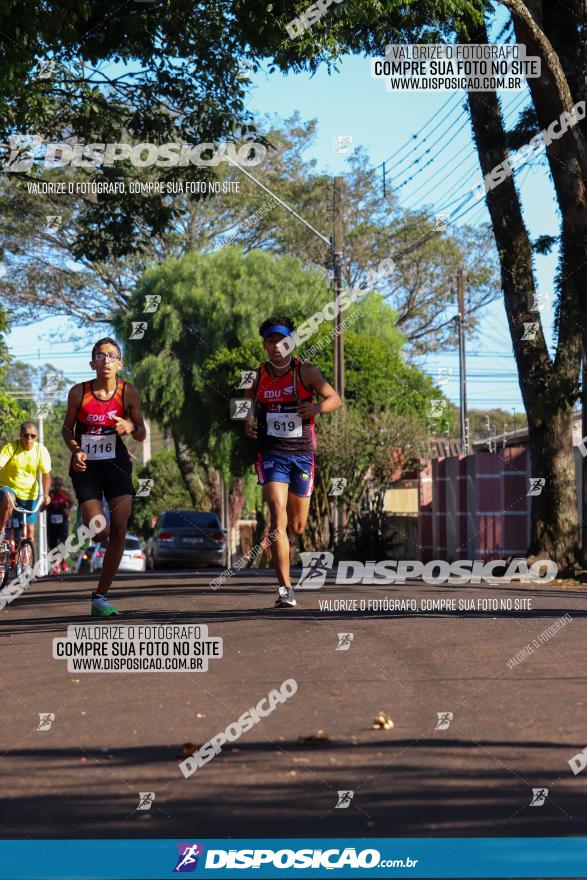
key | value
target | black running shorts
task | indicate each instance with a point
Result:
(108, 480)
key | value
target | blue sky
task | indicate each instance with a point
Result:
(351, 103)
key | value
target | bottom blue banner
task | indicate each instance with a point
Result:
(449, 857)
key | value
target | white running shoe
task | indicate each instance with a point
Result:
(285, 598)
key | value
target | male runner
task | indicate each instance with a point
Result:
(58, 519)
(94, 424)
(284, 392)
(20, 462)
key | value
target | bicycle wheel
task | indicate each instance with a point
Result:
(4, 567)
(25, 560)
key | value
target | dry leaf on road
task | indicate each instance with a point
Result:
(382, 722)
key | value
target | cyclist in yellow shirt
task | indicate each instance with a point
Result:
(20, 461)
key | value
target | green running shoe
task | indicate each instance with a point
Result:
(101, 607)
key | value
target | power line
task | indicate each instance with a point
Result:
(413, 143)
(471, 207)
(433, 158)
(416, 135)
(513, 108)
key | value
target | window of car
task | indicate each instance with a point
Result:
(132, 544)
(189, 518)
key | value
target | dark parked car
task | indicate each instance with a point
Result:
(187, 538)
(85, 559)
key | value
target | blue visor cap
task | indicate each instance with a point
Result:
(277, 328)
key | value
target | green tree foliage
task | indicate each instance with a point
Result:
(98, 73)
(60, 455)
(421, 291)
(11, 414)
(209, 302)
(368, 454)
(549, 383)
(204, 335)
(28, 385)
(168, 492)
(357, 26)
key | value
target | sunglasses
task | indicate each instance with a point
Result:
(106, 357)
(30, 436)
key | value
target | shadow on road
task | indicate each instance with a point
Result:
(240, 793)
(15, 622)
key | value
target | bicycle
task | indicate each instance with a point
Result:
(18, 557)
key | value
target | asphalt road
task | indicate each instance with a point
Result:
(118, 734)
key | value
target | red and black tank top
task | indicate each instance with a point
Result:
(95, 424)
(279, 427)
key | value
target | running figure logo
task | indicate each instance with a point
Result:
(338, 485)
(539, 796)
(441, 222)
(152, 302)
(188, 857)
(314, 571)
(53, 222)
(436, 408)
(536, 485)
(146, 799)
(539, 301)
(43, 410)
(444, 719)
(443, 375)
(247, 378)
(139, 329)
(245, 68)
(344, 799)
(46, 69)
(145, 487)
(530, 331)
(343, 144)
(46, 720)
(52, 382)
(240, 409)
(344, 641)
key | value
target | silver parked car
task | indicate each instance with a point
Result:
(187, 538)
(133, 556)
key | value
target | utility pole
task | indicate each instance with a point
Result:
(146, 445)
(338, 518)
(584, 459)
(225, 518)
(337, 261)
(462, 362)
(42, 517)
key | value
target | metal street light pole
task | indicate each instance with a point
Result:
(337, 245)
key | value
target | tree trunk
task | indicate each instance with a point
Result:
(236, 500)
(188, 471)
(551, 92)
(261, 559)
(562, 24)
(567, 155)
(215, 490)
(554, 535)
(548, 389)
